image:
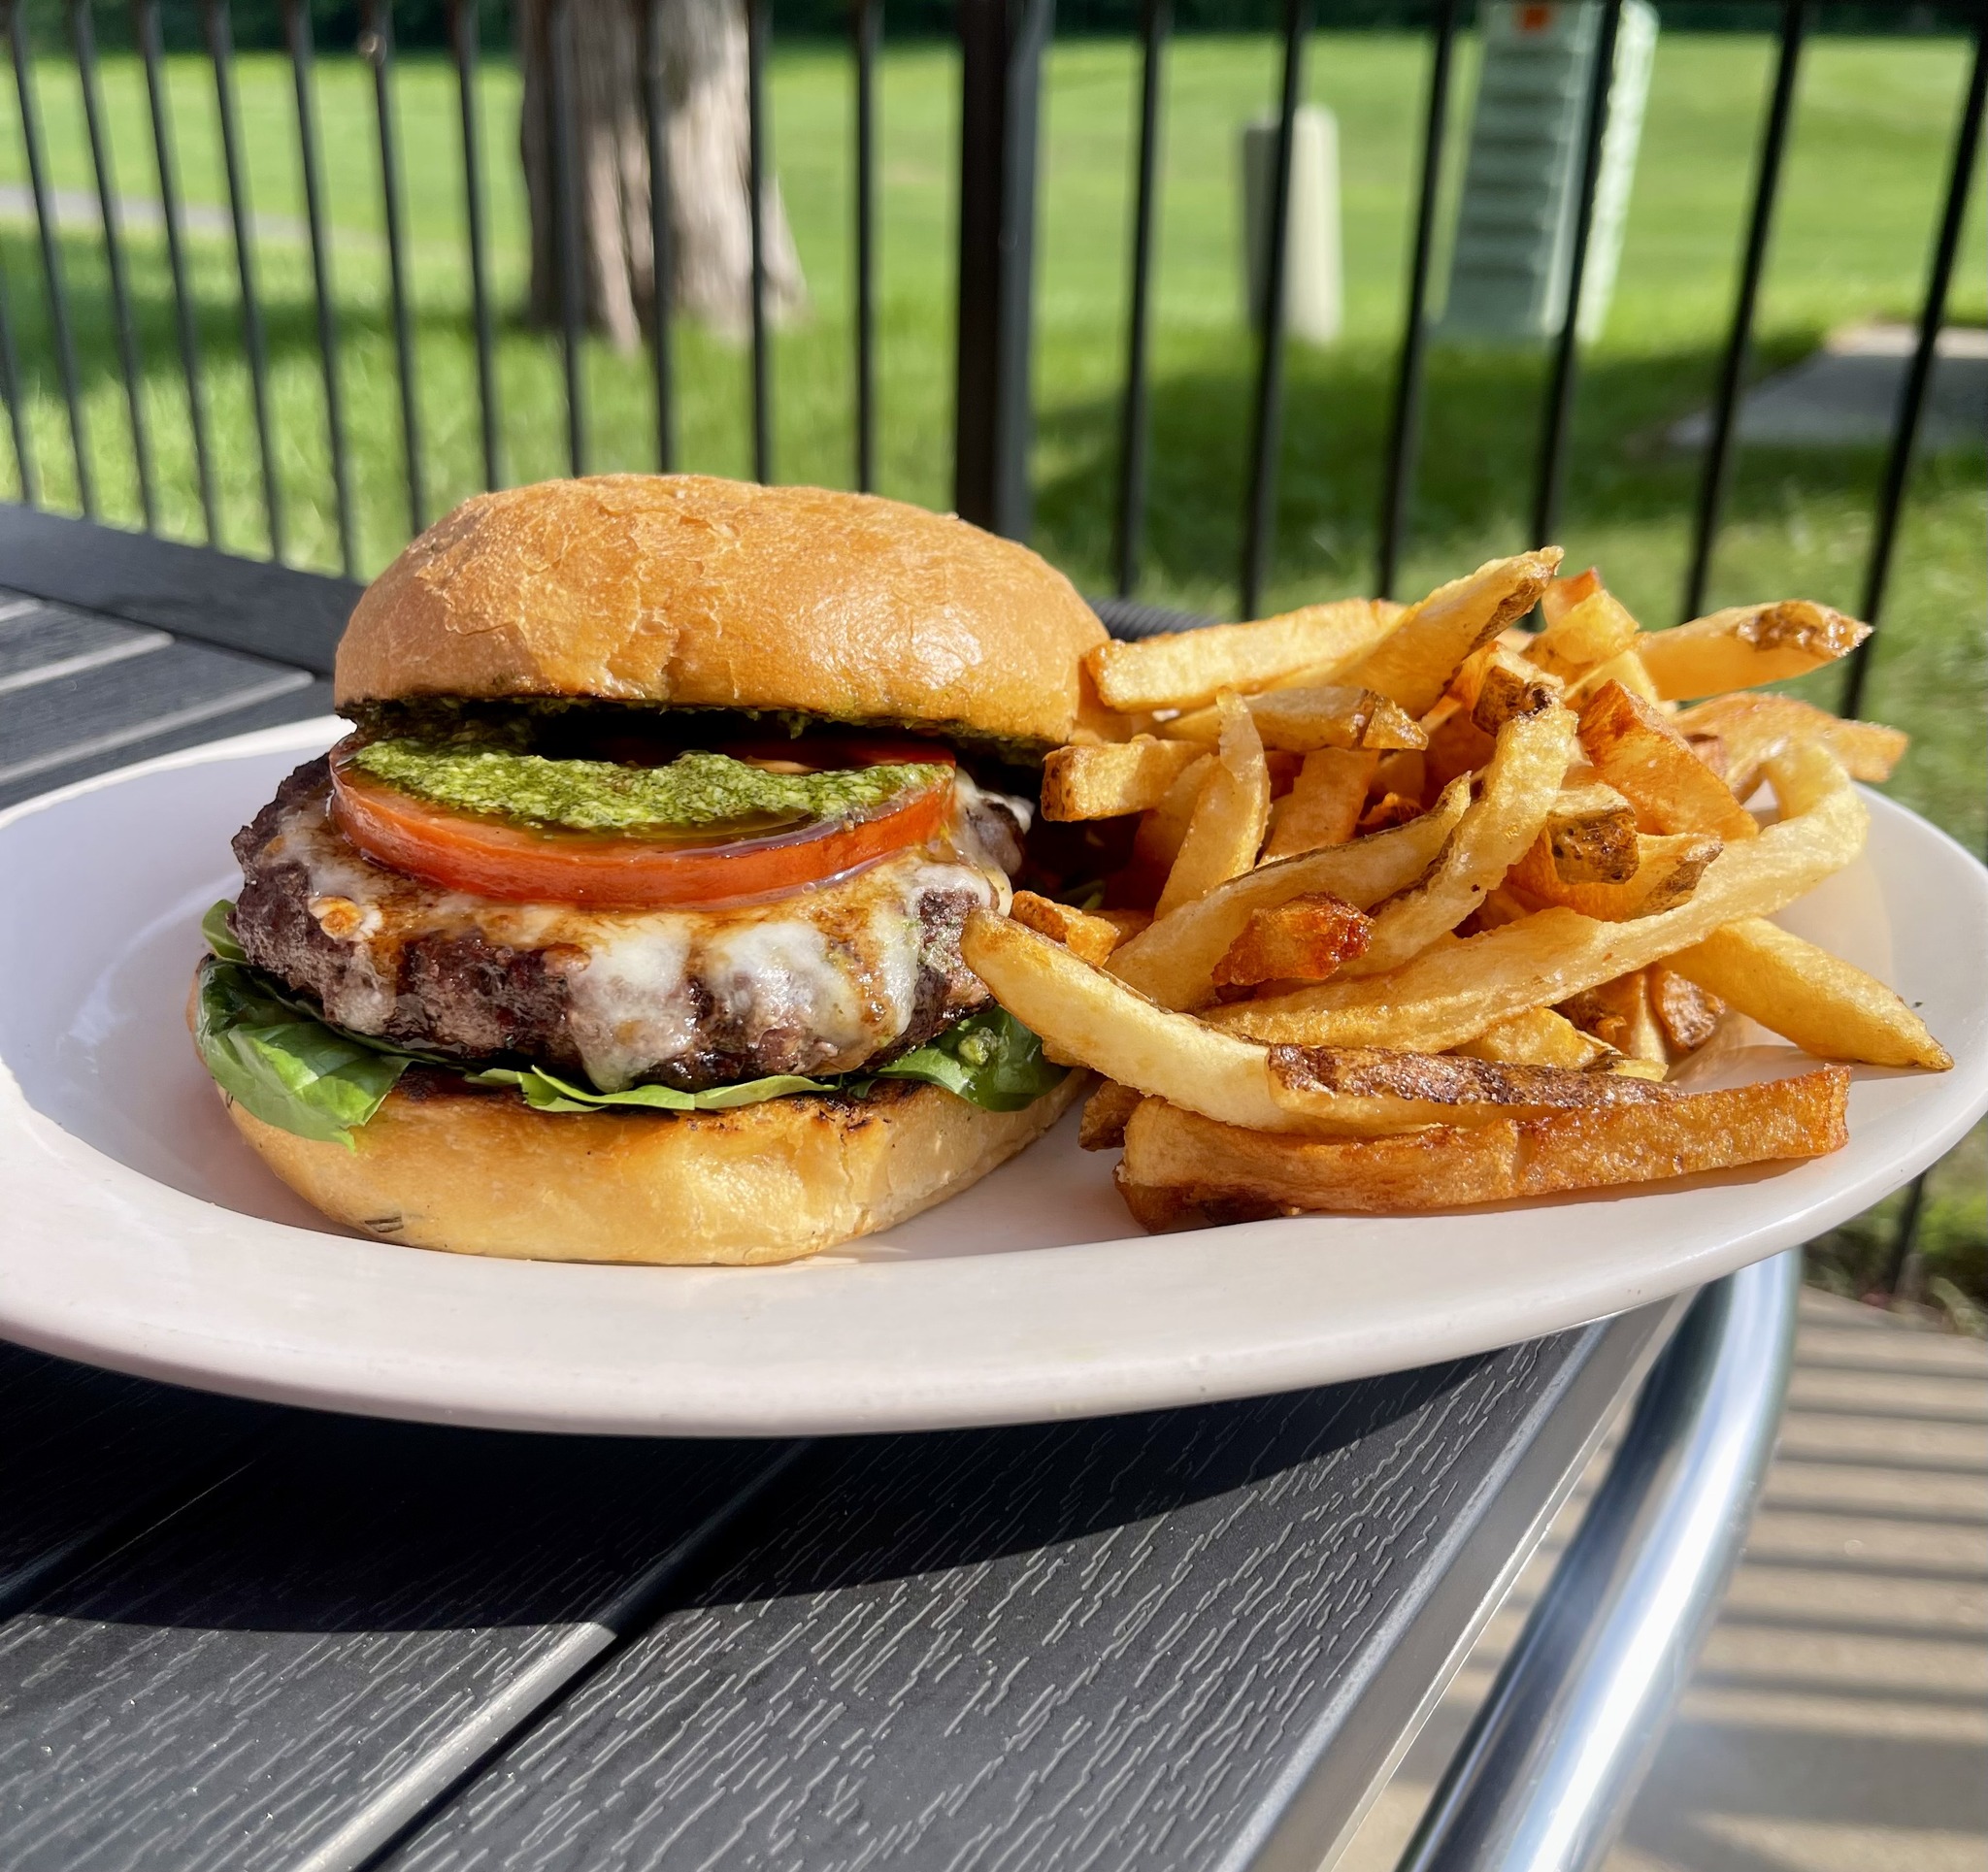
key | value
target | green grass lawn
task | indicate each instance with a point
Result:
(1852, 236)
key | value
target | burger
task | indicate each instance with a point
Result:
(624, 925)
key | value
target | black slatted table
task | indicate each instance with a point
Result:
(239, 1636)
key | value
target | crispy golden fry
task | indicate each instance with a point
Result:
(1174, 962)
(1745, 645)
(1637, 751)
(1101, 1127)
(1440, 1000)
(1158, 840)
(1324, 804)
(1406, 770)
(1536, 1037)
(1090, 937)
(1456, 745)
(1667, 867)
(1562, 595)
(1618, 1013)
(1750, 726)
(1687, 1014)
(1086, 1016)
(1591, 834)
(1399, 1091)
(1299, 721)
(1181, 1170)
(1390, 810)
(1225, 832)
(1190, 668)
(1597, 630)
(1519, 789)
(1416, 664)
(1304, 938)
(1626, 669)
(1807, 995)
(1103, 779)
(1128, 923)
(1511, 686)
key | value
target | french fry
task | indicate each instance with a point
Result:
(1441, 1000)
(1748, 644)
(1456, 745)
(1536, 1037)
(1591, 836)
(1101, 1127)
(1300, 721)
(1520, 786)
(1511, 686)
(1090, 937)
(1181, 1170)
(1807, 995)
(1304, 938)
(1102, 780)
(1626, 669)
(1415, 663)
(1667, 867)
(1404, 1090)
(1324, 804)
(1390, 810)
(1225, 832)
(1173, 962)
(1618, 1013)
(1190, 668)
(1687, 1014)
(1157, 843)
(1594, 631)
(1128, 923)
(1562, 595)
(1637, 751)
(1750, 726)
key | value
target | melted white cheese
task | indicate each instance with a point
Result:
(837, 963)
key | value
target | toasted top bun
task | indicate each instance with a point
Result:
(693, 592)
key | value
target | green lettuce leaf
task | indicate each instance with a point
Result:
(292, 1068)
(288, 1070)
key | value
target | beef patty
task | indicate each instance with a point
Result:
(829, 979)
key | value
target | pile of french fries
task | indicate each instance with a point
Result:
(1424, 908)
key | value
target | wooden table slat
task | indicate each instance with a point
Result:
(312, 1652)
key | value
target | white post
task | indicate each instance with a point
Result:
(1313, 271)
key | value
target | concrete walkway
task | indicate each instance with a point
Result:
(1837, 1720)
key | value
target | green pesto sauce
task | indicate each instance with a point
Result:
(694, 790)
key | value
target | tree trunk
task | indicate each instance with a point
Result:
(704, 69)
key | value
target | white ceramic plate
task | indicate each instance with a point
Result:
(137, 1232)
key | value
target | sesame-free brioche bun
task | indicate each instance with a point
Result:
(687, 591)
(441, 1164)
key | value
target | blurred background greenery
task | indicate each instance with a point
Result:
(1853, 232)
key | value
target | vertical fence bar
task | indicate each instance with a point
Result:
(1156, 22)
(52, 252)
(1898, 465)
(655, 99)
(83, 35)
(145, 28)
(1000, 72)
(221, 52)
(10, 388)
(757, 24)
(1560, 392)
(1396, 487)
(303, 64)
(566, 229)
(378, 51)
(463, 43)
(1266, 435)
(1711, 492)
(866, 23)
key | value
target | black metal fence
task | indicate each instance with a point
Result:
(1003, 42)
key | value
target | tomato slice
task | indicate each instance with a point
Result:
(623, 872)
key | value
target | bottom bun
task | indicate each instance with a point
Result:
(442, 1164)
